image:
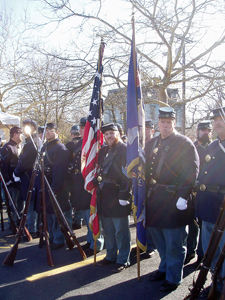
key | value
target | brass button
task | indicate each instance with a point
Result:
(99, 178)
(202, 187)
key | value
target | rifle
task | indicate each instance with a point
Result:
(63, 223)
(1, 212)
(212, 293)
(44, 228)
(210, 253)
(9, 260)
(9, 198)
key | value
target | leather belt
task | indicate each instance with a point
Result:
(154, 182)
(212, 189)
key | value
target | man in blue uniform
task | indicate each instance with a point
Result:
(113, 201)
(204, 138)
(24, 170)
(56, 162)
(171, 171)
(75, 137)
(212, 187)
(9, 160)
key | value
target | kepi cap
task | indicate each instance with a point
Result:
(15, 129)
(74, 129)
(83, 121)
(204, 125)
(218, 112)
(110, 126)
(41, 129)
(149, 123)
(120, 128)
(52, 125)
(30, 123)
(167, 113)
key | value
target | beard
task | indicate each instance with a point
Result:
(205, 139)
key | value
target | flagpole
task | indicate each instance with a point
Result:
(100, 120)
(135, 80)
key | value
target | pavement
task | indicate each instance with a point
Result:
(71, 277)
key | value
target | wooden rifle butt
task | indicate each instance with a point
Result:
(10, 258)
(49, 253)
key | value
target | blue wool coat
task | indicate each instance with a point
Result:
(56, 169)
(180, 169)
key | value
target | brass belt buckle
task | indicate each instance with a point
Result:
(202, 187)
(99, 178)
(152, 181)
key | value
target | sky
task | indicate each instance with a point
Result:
(61, 37)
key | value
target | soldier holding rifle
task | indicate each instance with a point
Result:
(172, 166)
(24, 170)
(212, 187)
(56, 162)
(9, 159)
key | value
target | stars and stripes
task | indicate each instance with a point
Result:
(92, 142)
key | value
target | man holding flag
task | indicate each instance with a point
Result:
(113, 199)
(92, 141)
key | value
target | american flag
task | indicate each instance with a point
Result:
(92, 142)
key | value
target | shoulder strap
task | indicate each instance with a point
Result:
(48, 148)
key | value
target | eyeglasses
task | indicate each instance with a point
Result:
(50, 130)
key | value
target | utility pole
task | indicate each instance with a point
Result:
(183, 92)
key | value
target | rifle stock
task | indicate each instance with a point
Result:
(12, 222)
(2, 220)
(9, 260)
(64, 225)
(44, 218)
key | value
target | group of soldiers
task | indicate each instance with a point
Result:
(184, 186)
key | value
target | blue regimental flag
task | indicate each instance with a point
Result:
(136, 145)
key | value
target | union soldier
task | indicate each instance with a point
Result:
(75, 137)
(113, 201)
(122, 135)
(56, 162)
(24, 170)
(204, 138)
(9, 160)
(40, 131)
(80, 198)
(171, 171)
(212, 188)
(149, 130)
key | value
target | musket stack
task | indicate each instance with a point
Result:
(64, 226)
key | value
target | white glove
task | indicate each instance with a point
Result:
(181, 204)
(16, 179)
(8, 183)
(124, 202)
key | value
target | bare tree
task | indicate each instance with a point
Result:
(166, 28)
